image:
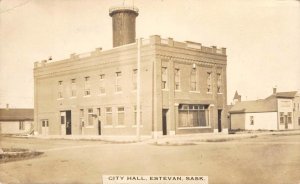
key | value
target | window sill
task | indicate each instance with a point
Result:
(209, 93)
(86, 96)
(134, 126)
(118, 92)
(220, 93)
(72, 97)
(102, 94)
(194, 91)
(182, 128)
(60, 98)
(177, 90)
(120, 126)
(165, 89)
(89, 127)
(108, 126)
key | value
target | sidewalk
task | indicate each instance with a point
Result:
(185, 139)
(192, 139)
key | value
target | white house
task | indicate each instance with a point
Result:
(16, 121)
(276, 112)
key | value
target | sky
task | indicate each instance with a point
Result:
(262, 38)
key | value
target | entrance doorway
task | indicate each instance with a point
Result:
(66, 123)
(219, 120)
(164, 121)
(99, 127)
(45, 127)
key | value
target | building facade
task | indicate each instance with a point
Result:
(152, 86)
(16, 121)
(276, 112)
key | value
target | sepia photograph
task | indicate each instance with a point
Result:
(149, 92)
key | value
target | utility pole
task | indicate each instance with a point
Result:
(138, 92)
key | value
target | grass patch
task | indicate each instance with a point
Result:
(15, 154)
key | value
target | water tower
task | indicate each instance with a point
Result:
(123, 23)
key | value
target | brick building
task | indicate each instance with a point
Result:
(156, 86)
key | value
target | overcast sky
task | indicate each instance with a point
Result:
(262, 38)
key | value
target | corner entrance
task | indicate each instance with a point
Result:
(164, 121)
(219, 120)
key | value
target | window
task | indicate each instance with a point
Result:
(193, 79)
(45, 123)
(219, 83)
(81, 117)
(289, 117)
(135, 115)
(134, 79)
(281, 119)
(102, 84)
(73, 87)
(118, 81)
(87, 86)
(60, 89)
(99, 111)
(21, 125)
(164, 77)
(209, 87)
(299, 121)
(193, 115)
(121, 116)
(177, 79)
(90, 117)
(108, 112)
(251, 120)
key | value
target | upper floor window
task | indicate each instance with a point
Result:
(164, 78)
(134, 79)
(102, 84)
(281, 119)
(87, 86)
(177, 78)
(193, 79)
(209, 84)
(219, 83)
(73, 87)
(60, 89)
(118, 82)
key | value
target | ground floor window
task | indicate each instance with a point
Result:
(251, 120)
(121, 116)
(135, 115)
(289, 118)
(299, 121)
(21, 125)
(281, 118)
(108, 113)
(193, 115)
(90, 117)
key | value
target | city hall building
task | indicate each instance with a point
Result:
(150, 86)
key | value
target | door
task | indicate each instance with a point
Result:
(219, 120)
(63, 122)
(68, 123)
(99, 127)
(45, 127)
(164, 121)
